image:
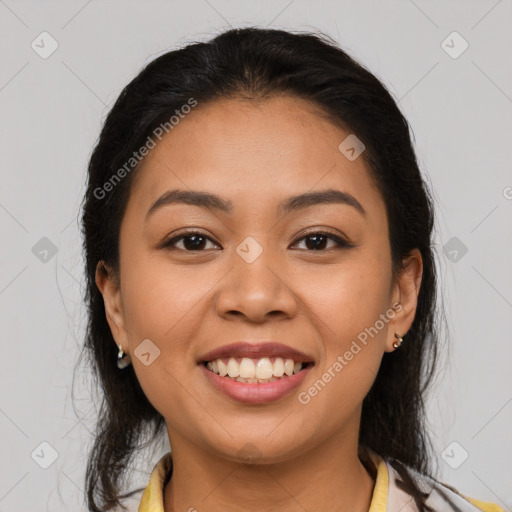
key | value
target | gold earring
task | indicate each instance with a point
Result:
(396, 344)
(122, 361)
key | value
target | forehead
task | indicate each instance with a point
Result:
(271, 148)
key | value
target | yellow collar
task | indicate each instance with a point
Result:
(153, 497)
(385, 492)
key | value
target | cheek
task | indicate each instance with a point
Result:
(161, 298)
(349, 301)
(159, 302)
(165, 303)
(349, 311)
(348, 297)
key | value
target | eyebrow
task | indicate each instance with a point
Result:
(293, 203)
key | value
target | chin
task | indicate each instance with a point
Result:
(259, 449)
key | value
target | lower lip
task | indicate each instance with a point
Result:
(255, 392)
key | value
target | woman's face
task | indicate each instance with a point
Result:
(253, 275)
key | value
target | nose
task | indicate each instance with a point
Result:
(257, 291)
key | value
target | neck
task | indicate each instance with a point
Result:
(328, 475)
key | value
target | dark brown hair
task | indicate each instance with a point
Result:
(255, 63)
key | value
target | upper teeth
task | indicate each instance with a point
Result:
(248, 368)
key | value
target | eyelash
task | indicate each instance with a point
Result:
(340, 243)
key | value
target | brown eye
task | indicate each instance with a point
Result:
(192, 241)
(317, 241)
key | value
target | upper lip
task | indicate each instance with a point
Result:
(256, 351)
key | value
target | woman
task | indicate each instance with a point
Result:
(258, 254)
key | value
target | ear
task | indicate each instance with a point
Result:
(108, 284)
(405, 292)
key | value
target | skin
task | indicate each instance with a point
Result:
(256, 154)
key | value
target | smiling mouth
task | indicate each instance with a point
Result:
(261, 370)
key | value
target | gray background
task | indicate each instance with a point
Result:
(460, 111)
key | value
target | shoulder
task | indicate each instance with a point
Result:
(486, 506)
(393, 492)
(440, 496)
